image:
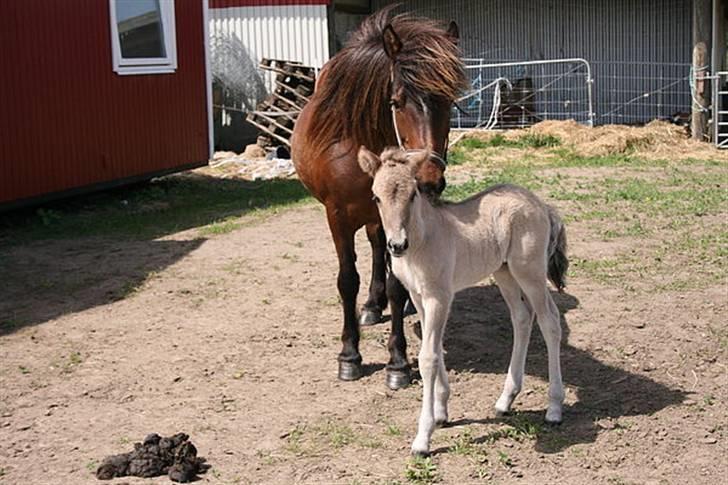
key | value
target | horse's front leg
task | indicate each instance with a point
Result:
(431, 364)
(398, 369)
(348, 284)
(377, 300)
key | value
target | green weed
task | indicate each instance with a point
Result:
(421, 470)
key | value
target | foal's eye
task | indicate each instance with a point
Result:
(412, 197)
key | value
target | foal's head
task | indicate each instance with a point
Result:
(396, 193)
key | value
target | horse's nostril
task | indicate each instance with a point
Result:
(396, 247)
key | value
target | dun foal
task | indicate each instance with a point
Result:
(440, 249)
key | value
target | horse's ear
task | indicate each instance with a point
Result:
(392, 44)
(453, 31)
(368, 161)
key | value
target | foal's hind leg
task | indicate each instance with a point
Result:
(522, 320)
(348, 285)
(372, 311)
(535, 289)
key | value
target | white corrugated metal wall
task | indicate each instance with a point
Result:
(639, 49)
(290, 32)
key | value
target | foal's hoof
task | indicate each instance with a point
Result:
(419, 453)
(370, 317)
(397, 379)
(349, 371)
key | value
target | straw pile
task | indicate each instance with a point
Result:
(656, 140)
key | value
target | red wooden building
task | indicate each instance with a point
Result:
(97, 93)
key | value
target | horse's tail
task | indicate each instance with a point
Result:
(558, 262)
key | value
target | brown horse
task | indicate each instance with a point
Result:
(393, 83)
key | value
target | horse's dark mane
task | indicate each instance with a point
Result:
(352, 99)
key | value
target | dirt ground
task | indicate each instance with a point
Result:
(233, 339)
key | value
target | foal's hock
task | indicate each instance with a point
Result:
(440, 249)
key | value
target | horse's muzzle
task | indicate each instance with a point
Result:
(397, 249)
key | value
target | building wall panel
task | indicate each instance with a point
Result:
(69, 121)
(635, 46)
(293, 32)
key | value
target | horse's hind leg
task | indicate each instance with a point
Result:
(372, 311)
(398, 369)
(547, 314)
(522, 320)
(348, 285)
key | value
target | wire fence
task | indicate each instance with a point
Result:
(638, 92)
(521, 93)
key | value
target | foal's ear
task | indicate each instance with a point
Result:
(453, 31)
(392, 44)
(417, 158)
(368, 161)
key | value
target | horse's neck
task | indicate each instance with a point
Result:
(435, 221)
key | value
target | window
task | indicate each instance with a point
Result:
(143, 36)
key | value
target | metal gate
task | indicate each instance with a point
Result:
(720, 109)
(522, 93)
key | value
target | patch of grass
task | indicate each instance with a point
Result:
(513, 174)
(421, 470)
(393, 430)
(92, 465)
(505, 460)
(154, 209)
(23, 369)
(324, 437)
(518, 428)
(538, 140)
(224, 226)
(74, 359)
(464, 444)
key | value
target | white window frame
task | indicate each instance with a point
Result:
(155, 65)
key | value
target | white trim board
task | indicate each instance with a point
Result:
(155, 65)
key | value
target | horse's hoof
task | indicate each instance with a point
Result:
(397, 379)
(349, 371)
(420, 454)
(370, 317)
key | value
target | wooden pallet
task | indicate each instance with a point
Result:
(276, 115)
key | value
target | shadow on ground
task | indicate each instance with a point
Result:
(91, 250)
(480, 330)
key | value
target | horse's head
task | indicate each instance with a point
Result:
(424, 80)
(396, 191)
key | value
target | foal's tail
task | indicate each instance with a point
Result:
(558, 263)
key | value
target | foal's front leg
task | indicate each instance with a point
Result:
(431, 361)
(442, 386)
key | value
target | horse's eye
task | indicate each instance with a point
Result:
(375, 199)
(412, 197)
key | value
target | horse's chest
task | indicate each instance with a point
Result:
(407, 274)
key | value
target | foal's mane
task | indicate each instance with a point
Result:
(352, 100)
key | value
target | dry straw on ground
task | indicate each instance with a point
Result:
(656, 140)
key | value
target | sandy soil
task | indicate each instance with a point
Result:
(233, 339)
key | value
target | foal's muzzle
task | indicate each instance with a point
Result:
(397, 248)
